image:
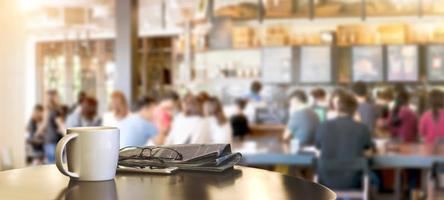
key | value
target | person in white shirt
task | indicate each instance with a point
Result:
(189, 127)
(118, 110)
(220, 129)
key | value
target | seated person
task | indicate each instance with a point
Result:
(190, 126)
(432, 122)
(342, 139)
(402, 120)
(239, 122)
(35, 155)
(165, 111)
(118, 109)
(303, 121)
(219, 126)
(333, 101)
(366, 110)
(138, 128)
(255, 102)
(255, 90)
(87, 115)
(383, 99)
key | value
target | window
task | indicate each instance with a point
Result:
(54, 73)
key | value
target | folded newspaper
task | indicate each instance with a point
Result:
(196, 157)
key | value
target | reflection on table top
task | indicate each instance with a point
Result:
(272, 151)
(45, 182)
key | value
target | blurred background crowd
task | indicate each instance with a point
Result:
(170, 118)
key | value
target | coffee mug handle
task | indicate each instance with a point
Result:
(59, 155)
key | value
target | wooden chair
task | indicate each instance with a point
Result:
(357, 165)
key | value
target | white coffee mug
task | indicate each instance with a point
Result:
(92, 153)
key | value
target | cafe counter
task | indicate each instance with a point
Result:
(267, 129)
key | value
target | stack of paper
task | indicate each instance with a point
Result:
(198, 157)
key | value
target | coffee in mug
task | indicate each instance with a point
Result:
(92, 153)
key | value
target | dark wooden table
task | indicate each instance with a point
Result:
(45, 182)
(272, 130)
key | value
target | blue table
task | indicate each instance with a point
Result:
(267, 151)
(271, 151)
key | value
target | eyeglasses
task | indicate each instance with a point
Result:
(152, 157)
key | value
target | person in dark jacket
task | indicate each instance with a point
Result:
(345, 139)
(35, 145)
(49, 130)
(239, 122)
(367, 111)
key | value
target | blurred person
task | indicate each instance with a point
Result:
(366, 110)
(165, 112)
(342, 138)
(76, 106)
(402, 121)
(403, 126)
(118, 109)
(255, 90)
(60, 119)
(220, 128)
(35, 152)
(203, 96)
(401, 88)
(239, 121)
(431, 125)
(87, 115)
(255, 102)
(49, 130)
(303, 121)
(383, 99)
(189, 127)
(319, 103)
(187, 95)
(333, 101)
(139, 128)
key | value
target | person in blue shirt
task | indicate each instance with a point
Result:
(303, 120)
(139, 128)
(255, 90)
